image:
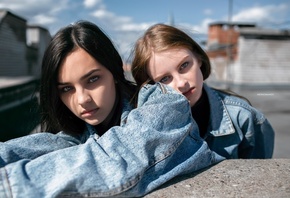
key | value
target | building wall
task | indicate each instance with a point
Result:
(259, 62)
(13, 46)
(255, 56)
(38, 40)
(221, 33)
(262, 62)
(21, 46)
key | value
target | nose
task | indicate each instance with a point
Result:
(83, 97)
(180, 83)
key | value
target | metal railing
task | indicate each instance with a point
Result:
(17, 94)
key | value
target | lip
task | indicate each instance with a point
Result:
(189, 92)
(89, 113)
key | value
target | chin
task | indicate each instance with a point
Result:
(93, 122)
(192, 102)
(191, 105)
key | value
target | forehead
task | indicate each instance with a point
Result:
(76, 64)
(164, 61)
(169, 56)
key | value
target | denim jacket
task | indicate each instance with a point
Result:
(236, 129)
(155, 142)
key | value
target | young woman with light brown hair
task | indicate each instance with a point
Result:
(229, 124)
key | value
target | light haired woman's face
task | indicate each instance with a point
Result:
(86, 87)
(179, 68)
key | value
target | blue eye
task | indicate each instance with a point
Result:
(183, 66)
(93, 79)
(65, 89)
(164, 79)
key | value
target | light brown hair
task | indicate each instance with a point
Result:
(158, 38)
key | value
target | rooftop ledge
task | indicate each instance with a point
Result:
(232, 178)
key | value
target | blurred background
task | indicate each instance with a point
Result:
(248, 43)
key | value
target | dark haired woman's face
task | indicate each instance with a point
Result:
(86, 87)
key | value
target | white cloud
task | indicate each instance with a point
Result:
(44, 19)
(102, 14)
(32, 7)
(198, 29)
(12, 6)
(124, 31)
(203, 27)
(37, 12)
(117, 22)
(261, 14)
(135, 26)
(92, 3)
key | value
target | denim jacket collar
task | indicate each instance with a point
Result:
(220, 122)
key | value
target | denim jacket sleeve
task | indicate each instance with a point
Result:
(158, 142)
(33, 146)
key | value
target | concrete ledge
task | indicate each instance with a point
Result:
(232, 178)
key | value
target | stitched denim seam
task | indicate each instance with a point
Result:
(5, 184)
(132, 182)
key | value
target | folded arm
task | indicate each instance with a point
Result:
(158, 142)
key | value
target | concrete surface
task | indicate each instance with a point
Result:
(232, 178)
(245, 178)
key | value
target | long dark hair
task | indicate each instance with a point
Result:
(55, 116)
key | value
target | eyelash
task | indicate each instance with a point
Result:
(93, 79)
(68, 88)
(183, 66)
(65, 89)
(164, 79)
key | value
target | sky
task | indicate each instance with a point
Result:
(125, 20)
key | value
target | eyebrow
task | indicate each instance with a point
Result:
(83, 77)
(179, 63)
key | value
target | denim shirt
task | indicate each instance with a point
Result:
(236, 129)
(155, 142)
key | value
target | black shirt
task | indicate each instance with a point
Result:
(201, 113)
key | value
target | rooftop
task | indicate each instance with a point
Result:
(239, 24)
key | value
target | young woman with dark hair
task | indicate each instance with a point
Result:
(55, 115)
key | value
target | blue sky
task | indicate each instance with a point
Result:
(125, 20)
